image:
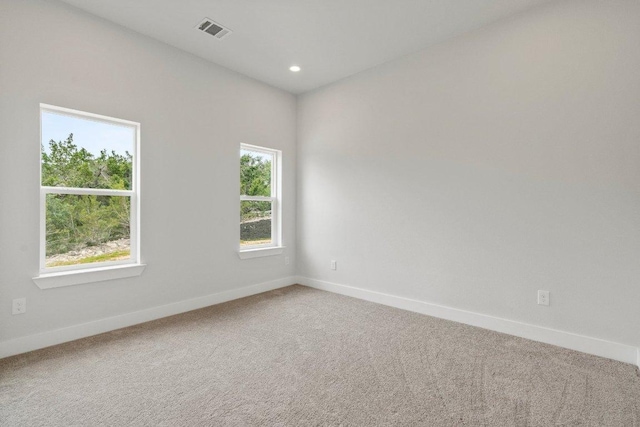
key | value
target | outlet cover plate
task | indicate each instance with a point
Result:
(543, 297)
(19, 306)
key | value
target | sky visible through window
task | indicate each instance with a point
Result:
(91, 135)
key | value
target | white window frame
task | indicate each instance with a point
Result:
(275, 247)
(50, 277)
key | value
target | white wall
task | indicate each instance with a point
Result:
(193, 117)
(480, 170)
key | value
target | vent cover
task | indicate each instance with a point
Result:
(213, 28)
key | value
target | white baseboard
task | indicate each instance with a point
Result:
(58, 336)
(595, 346)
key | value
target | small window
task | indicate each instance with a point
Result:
(259, 198)
(89, 190)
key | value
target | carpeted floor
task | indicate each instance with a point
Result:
(302, 357)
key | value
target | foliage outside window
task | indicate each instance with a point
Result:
(88, 190)
(259, 197)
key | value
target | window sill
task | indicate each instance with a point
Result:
(79, 277)
(260, 252)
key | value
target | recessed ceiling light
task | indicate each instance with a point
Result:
(295, 68)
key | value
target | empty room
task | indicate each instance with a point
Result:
(320, 213)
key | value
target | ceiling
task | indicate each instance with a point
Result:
(329, 39)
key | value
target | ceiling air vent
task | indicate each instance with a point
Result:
(213, 28)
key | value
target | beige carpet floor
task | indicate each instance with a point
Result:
(302, 357)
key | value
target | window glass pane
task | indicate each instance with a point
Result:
(255, 223)
(84, 153)
(86, 229)
(255, 173)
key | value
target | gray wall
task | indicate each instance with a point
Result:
(193, 117)
(478, 171)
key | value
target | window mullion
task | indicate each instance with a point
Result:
(86, 191)
(257, 199)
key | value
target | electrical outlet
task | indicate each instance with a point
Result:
(334, 264)
(286, 260)
(543, 297)
(19, 306)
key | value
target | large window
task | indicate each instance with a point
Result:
(259, 198)
(89, 190)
